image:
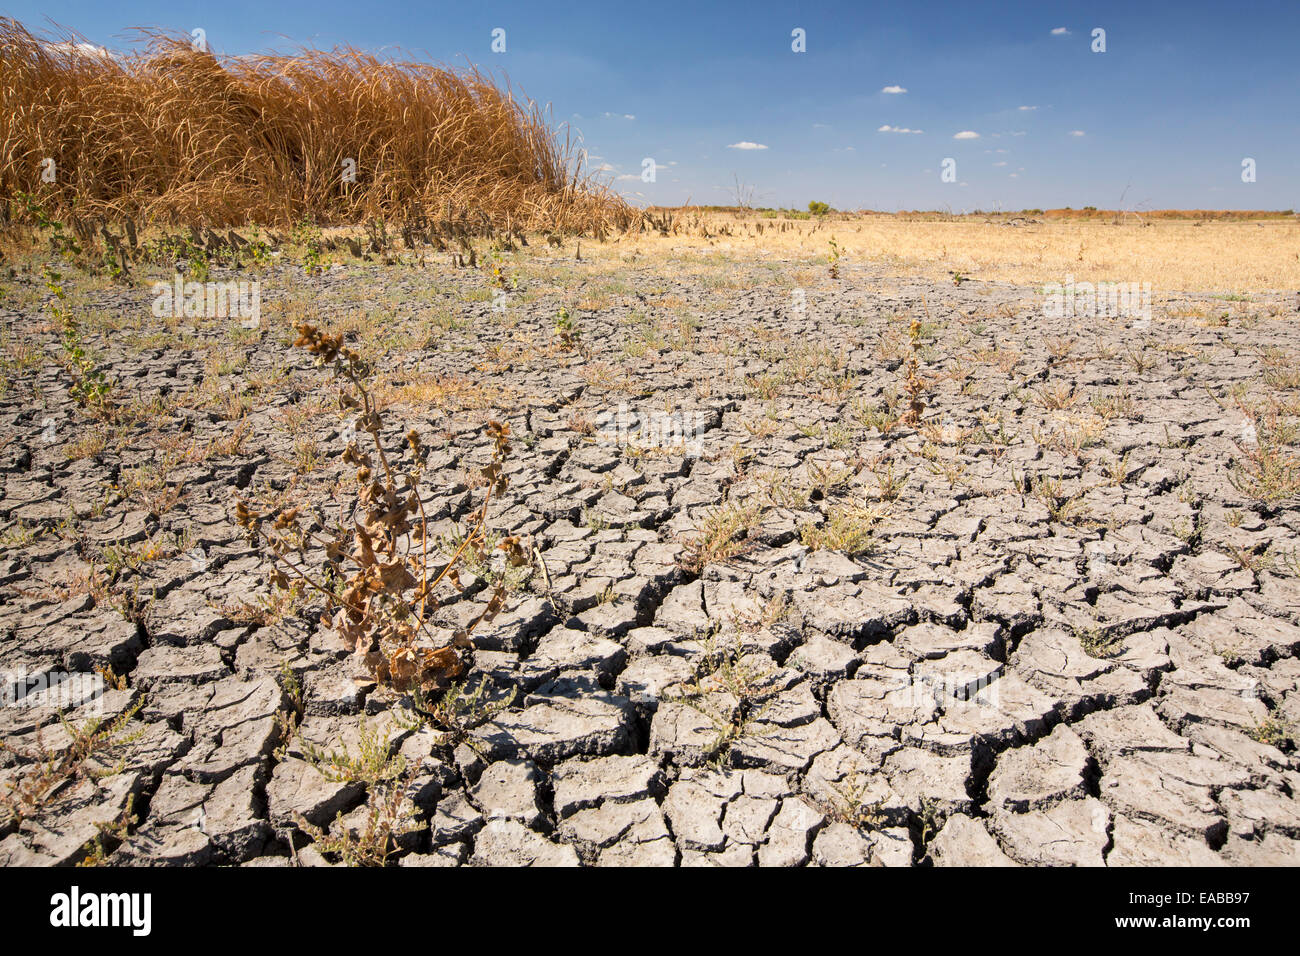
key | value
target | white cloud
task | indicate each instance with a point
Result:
(1002, 162)
(1026, 108)
(967, 134)
(1060, 31)
(894, 89)
(746, 144)
(1076, 132)
(78, 49)
(898, 129)
(626, 116)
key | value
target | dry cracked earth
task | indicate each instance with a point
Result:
(1042, 627)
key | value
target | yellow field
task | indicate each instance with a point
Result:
(1171, 255)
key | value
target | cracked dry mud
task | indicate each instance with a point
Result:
(1000, 678)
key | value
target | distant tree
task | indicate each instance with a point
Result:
(818, 208)
(742, 192)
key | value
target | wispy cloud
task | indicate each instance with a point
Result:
(626, 116)
(746, 144)
(1060, 31)
(897, 129)
(79, 49)
(894, 89)
(967, 134)
(1026, 108)
(1076, 132)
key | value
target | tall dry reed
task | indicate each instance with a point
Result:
(169, 133)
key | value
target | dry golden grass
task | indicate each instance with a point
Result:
(440, 391)
(170, 133)
(1171, 254)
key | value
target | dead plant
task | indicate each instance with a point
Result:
(377, 579)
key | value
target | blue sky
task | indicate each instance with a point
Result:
(1184, 92)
